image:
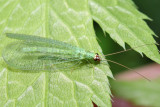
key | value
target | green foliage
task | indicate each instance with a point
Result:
(125, 25)
(71, 22)
(141, 92)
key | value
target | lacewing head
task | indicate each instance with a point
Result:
(97, 57)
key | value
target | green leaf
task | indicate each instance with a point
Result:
(67, 21)
(141, 92)
(71, 22)
(125, 24)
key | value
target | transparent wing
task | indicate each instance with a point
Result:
(39, 56)
(31, 38)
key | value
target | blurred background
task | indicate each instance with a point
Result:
(130, 59)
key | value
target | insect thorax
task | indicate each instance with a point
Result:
(82, 54)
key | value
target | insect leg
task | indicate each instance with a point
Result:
(91, 64)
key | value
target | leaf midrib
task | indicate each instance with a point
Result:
(46, 86)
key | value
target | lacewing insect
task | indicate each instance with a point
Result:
(38, 53)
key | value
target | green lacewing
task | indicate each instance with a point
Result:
(38, 53)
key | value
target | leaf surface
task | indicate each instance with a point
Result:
(67, 21)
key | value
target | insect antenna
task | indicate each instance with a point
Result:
(126, 51)
(130, 49)
(128, 69)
